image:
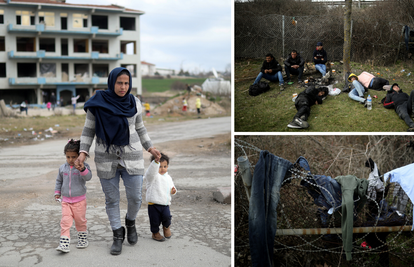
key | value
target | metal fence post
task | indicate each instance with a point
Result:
(246, 174)
(283, 35)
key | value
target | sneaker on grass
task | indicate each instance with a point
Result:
(281, 87)
(297, 123)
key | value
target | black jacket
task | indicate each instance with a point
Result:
(310, 96)
(319, 54)
(273, 65)
(296, 61)
(393, 99)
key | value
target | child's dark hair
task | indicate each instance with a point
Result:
(325, 90)
(72, 146)
(163, 158)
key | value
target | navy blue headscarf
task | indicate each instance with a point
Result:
(111, 112)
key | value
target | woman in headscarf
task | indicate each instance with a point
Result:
(114, 116)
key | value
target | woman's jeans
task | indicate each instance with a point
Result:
(357, 93)
(321, 68)
(271, 77)
(133, 189)
(267, 180)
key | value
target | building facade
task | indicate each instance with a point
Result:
(51, 46)
(147, 69)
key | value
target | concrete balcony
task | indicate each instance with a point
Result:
(41, 55)
(40, 81)
(42, 29)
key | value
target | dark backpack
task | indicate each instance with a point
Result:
(257, 89)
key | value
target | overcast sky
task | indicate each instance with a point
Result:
(192, 34)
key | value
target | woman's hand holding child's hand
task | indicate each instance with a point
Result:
(79, 165)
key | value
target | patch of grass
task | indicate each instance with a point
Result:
(273, 110)
(162, 85)
(38, 123)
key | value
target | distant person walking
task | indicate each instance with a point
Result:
(147, 109)
(23, 107)
(53, 101)
(74, 99)
(114, 116)
(185, 104)
(70, 185)
(188, 89)
(48, 105)
(198, 106)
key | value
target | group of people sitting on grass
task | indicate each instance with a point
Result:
(314, 94)
(294, 64)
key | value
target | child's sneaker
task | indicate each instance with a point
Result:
(167, 232)
(64, 244)
(82, 240)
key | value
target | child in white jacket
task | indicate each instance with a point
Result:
(160, 187)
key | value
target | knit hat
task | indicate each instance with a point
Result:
(352, 75)
(319, 44)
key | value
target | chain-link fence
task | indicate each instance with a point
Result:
(373, 36)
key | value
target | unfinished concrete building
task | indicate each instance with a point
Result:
(50, 46)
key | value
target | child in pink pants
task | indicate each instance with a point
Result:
(70, 184)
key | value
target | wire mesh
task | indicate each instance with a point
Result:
(259, 34)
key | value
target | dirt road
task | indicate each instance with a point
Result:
(201, 227)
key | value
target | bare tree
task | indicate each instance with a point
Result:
(347, 36)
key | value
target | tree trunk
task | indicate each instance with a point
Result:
(347, 36)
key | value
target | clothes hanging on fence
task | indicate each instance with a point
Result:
(269, 173)
(375, 184)
(350, 185)
(400, 199)
(403, 176)
(326, 194)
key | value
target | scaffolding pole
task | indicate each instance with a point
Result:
(356, 230)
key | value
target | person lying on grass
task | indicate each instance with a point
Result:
(311, 96)
(402, 104)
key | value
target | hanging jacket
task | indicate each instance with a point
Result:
(403, 176)
(375, 184)
(350, 185)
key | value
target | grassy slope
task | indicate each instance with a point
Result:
(273, 110)
(161, 85)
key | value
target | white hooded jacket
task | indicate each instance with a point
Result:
(158, 186)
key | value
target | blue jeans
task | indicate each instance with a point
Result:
(321, 68)
(271, 77)
(357, 93)
(267, 181)
(133, 189)
(298, 71)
